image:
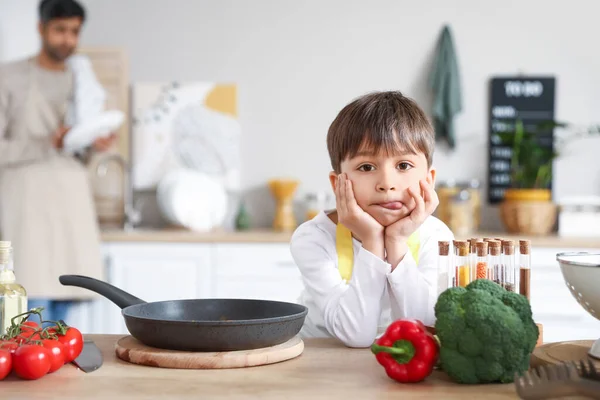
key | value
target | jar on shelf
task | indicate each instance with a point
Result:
(447, 192)
(315, 203)
(461, 217)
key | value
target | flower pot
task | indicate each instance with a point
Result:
(528, 211)
(527, 195)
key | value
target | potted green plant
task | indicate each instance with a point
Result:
(527, 207)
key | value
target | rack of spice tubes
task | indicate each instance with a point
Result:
(506, 262)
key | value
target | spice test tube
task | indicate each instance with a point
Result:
(453, 272)
(482, 257)
(444, 266)
(509, 278)
(494, 260)
(472, 257)
(462, 263)
(524, 268)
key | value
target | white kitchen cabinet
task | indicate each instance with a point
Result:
(155, 272)
(169, 271)
(256, 271)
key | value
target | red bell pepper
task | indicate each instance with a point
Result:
(407, 351)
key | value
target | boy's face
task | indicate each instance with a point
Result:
(381, 180)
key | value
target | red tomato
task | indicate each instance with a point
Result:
(5, 363)
(72, 340)
(31, 324)
(9, 345)
(28, 332)
(57, 353)
(31, 361)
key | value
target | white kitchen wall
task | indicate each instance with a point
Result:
(298, 62)
(18, 29)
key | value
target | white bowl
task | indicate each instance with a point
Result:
(581, 271)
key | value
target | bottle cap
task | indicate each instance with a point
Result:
(463, 247)
(444, 247)
(473, 243)
(482, 249)
(508, 247)
(5, 252)
(524, 246)
(494, 247)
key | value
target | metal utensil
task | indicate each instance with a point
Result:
(581, 272)
(588, 370)
(90, 358)
(554, 381)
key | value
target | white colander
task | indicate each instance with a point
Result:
(581, 271)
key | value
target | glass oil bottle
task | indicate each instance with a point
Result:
(13, 297)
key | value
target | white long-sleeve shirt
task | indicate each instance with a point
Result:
(357, 311)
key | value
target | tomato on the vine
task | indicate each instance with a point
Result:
(9, 345)
(32, 351)
(28, 333)
(72, 340)
(57, 353)
(5, 363)
(31, 324)
(31, 361)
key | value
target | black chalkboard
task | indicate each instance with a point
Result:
(529, 99)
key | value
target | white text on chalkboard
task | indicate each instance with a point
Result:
(504, 112)
(523, 88)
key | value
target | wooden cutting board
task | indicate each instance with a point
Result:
(559, 352)
(131, 350)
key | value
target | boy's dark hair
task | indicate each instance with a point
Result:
(381, 120)
(54, 9)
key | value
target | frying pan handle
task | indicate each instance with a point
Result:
(112, 293)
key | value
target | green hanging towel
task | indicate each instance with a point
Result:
(445, 84)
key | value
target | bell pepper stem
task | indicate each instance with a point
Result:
(375, 348)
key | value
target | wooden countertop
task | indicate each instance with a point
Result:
(326, 368)
(173, 235)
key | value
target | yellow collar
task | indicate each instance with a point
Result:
(345, 250)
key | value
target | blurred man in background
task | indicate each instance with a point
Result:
(46, 203)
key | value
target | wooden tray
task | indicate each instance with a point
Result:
(131, 350)
(559, 352)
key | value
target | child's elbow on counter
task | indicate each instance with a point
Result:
(357, 339)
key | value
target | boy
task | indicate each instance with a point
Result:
(373, 259)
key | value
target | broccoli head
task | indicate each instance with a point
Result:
(486, 332)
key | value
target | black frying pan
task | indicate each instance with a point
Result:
(201, 325)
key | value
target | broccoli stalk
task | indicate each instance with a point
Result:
(486, 333)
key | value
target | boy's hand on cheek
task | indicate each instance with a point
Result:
(364, 227)
(397, 234)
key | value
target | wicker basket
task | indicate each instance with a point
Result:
(528, 217)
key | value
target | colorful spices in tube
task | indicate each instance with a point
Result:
(482, 256)
(462, 263)
(473, 257)
(524, 268)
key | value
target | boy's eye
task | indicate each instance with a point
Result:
(366, 168)
(404, 166)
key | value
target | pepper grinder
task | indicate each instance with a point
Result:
(283, 191)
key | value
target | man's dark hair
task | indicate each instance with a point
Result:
(54, 9)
